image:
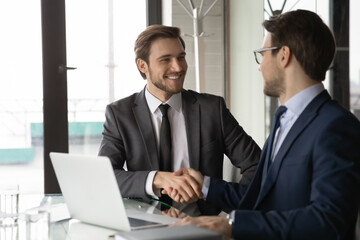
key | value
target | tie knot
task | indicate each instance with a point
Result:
(280, 111)
(164, 108)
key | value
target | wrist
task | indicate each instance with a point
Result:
(158, 180)
(149, 187)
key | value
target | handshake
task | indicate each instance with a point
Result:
(183, 186)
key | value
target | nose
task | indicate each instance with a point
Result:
(259, 68)
(176, 65)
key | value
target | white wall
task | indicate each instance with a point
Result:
(166, 12)
(246, 84)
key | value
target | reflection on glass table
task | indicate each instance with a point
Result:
(61, 226)
(152, 206)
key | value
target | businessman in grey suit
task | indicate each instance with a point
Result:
(202, 128)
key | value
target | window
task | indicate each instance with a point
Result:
(100, 37)
(100, 45)
(21, 155)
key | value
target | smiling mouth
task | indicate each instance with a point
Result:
(173, 77)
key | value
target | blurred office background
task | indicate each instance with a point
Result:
(45, 105)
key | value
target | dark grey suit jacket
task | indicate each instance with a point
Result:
(212, 131)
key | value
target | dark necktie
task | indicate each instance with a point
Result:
(165, 150)
(165, 140)
(276, 123)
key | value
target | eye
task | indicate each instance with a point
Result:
(164, 59)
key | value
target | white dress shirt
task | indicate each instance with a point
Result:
(178, 134)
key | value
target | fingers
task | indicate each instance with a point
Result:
(174, 195)
(190, 185)
(173, 212)
(197, 175)
(167, 191)
(168, 182)
(180, 172)
(185, 221)
(186, 188)
(181, 186)
(213, 223)
(196, 187)
(192, 172)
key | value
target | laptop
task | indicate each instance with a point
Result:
(91, 192)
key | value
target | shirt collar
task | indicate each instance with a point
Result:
(298, 103)
(175, 101)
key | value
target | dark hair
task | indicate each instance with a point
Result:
(308, 38)
(151, 33)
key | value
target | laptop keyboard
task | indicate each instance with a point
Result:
(135, 222)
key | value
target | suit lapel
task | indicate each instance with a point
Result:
(143, 119)
(192, 123)
(300, 124)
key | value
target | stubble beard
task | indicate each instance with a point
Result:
(271, 91)
(274, 87)
(160, 85)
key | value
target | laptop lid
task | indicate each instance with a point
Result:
(91, 191)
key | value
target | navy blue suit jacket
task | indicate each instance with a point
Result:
(312, 188)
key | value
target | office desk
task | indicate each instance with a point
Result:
(62, 227)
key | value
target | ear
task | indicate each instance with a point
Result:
(142, 66)
(285, 56)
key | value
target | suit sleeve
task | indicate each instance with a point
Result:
(333, 203)
(131, 183)
(241, 149)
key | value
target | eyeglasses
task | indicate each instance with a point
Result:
(258, 53)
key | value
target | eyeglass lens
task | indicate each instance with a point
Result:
(259, 57)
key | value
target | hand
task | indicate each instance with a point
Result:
(184, 185)
(174, 194)
(213, 223)
(192, 172)
(175, 213)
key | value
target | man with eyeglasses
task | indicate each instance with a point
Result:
(307, 184)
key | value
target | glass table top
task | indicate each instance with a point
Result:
(61, 224)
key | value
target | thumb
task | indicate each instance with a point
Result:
(180, 172)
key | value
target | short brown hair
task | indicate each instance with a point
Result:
(151, 33)
(308, 38)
